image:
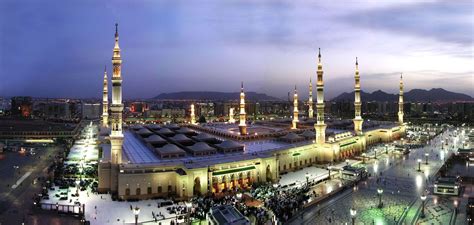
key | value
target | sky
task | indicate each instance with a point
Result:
(57, 48)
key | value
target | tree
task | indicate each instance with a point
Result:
(202, 119)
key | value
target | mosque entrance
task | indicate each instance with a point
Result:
(197, 187)
(269, 174)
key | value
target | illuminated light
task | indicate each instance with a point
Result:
(39, 141)
(329, 189)
(419, 181)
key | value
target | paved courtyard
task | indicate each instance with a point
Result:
(402, 186)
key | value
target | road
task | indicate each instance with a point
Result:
(16, 204)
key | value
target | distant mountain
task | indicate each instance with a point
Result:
(214, 96)
(415, 95)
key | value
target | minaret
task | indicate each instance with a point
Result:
(116, 135)
(295, 110)
(357, 103)
(320, 127)
(242, 123)
(310, 100)
(105, 101)
(193, 117)
(400, 102)
(231, 115)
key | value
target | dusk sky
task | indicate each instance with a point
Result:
(59, 48)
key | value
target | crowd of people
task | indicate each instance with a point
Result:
(283, 203)
(202, 206)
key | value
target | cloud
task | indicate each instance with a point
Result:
(451, 22)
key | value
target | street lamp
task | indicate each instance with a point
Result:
(423, 198)
(307, 178)
(379, 192)
(353, 215)
(386, 148)
(455, 207)
(375, 156)
(419, 165)
(363, 157)
(329, 169)
(426, 158)
(136, 211)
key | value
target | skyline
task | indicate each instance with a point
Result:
(171, 47)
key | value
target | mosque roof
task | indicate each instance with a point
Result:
(154, 126)
(155, 139)
(291, 136)
(136, 127)
(170, 149)
(204, 136)
(144, 131)
(201, 147)
(185, 130)
(180, 138)
(165, 131)
(229, 144)
(172, 126)
(308, 134)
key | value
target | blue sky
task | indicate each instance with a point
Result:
(59, 48)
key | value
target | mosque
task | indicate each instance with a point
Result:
(185, 160)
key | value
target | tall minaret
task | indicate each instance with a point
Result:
(231, 115)
(357, 117)
(295, 110)
(242, 123)
(320, 127)
(116, 136)
(105, 101)
(310, 100)
(400, 102)
(193, 116)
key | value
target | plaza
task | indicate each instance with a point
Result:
(402, 187)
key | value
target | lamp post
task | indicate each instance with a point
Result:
(307, 178)
(379, 192)
(136, 211)
(329, 170)
(426, 158)
(419, 165)
(363, 157)
(455, 207)
(386, 148)
(375, 156)
(423, 198)
(353, 215)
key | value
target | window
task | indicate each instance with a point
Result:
(159, 189)
(127, 191)
(149, 191)
(138, 192)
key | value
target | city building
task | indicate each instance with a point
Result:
(91, 110)
(21, 106)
